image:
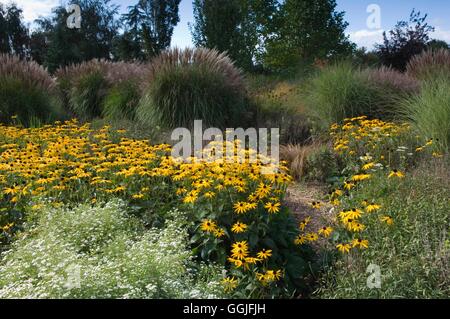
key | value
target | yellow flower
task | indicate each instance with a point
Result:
(315, 205)
(387, 219)
(208, 226)
(300, 240)
(349, 185)
(241, 207)
(239, 227)
(272, 207)
(138, 196)
(237, 263)
(360, 177)
(304, 223)
(343, 248)
(396, 173)
(264, 254)
(325, 231)
(239, 250)
(219, 233)
(360, 243)
(372, 207)
(368, 166)
(312, 237)
(229, 283)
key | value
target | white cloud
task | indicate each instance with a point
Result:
(366, 38)
(441, 34)
(32, 9)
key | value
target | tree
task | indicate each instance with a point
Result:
(57, 45)
(149, 28)
(407, 39)
(308, 30)
(239, 27)
(14, 37)
(437, 44)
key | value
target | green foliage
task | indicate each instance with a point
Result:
(26, 92)
(307, 30)
(13, 32)
(429, 112)
(412, 253)
(237, 27)
(343, 91)
(193, 84)
(121, 101)
(150, 27)
(109, 252)
(65, 46)
(87, 95)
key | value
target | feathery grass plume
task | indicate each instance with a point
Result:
(128, 82)
(430, 65)
(86, 87)
(429, 112)
(26, 92)
(339, 91)
(392, 87)
(297, 157)
(191, 84)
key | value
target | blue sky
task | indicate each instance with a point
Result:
(356, 14)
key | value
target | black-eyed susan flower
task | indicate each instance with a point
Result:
(264, 254)
(239, 227)
(219, 233)
(241, 207)
(372, 207)
(360, 243)
(208, 226)
(272, 207)
(348, 185)
(300, 240)
(315, 205)
(387, 219)
(302, 225)
(343, 248)
(396, 173)
(312, 237)
(229, 284)
(325, 231)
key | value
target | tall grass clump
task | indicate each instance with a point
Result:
(429, 112)
(83, 87)
(190, 84)
(101, 88)
(337, 92)
(430, 64)
(27, 92)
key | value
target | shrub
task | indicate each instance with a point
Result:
(390, 79)
(430, 64)
(26, 92)
(281, 107)
(191, 84)
(121, 101)
(341, 91)
(429, 112)
(109, 252)
(98, 87)
(308, 161)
